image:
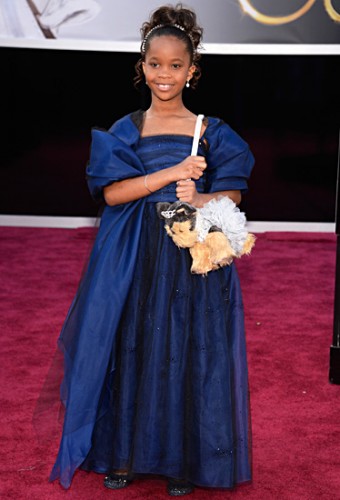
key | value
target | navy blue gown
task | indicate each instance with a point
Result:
(156, 376)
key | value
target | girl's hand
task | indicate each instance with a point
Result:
(186, 191)
(190, 168)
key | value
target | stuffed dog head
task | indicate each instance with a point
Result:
(180, 222)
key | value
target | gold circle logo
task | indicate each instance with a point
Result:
(248, 8)
(333, 14)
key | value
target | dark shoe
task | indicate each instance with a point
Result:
(117, 481)
(177, 488)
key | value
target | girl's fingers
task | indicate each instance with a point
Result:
(185, 183)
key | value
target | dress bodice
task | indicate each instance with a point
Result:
(158, 152)
(122, 153)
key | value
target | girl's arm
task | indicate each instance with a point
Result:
(186, 191)
(138, 187)
(202, 198)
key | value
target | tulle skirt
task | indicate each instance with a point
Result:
(177, 403)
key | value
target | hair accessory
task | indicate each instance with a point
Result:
(188, 34)
(158, 26)
(146, 184)
(145, 39)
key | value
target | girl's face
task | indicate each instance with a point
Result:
(167, 67)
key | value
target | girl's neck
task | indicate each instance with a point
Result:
(167, 110)
(168, 120)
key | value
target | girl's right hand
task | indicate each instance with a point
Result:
(190, 168)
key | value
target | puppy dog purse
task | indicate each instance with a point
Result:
(215, 234)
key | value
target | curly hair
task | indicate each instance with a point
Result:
(177, 21)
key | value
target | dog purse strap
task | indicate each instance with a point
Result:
(197, 134)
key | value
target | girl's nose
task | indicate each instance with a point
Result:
(163, 73)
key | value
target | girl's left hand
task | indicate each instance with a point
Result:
(186, 191)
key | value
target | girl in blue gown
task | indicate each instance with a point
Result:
(155, 369)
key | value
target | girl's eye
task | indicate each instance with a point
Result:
(156, 65)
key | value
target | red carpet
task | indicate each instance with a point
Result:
(288, 287)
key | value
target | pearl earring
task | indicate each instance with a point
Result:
(187, 84)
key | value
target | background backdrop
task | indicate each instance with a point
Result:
(113, 24)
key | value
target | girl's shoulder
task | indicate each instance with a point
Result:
(219, 131)
(134, 117)
(126, 128)
(217, 125)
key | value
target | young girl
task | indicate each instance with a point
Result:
(155, 375)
